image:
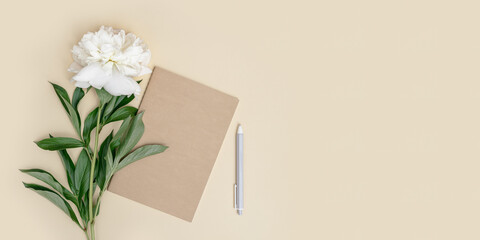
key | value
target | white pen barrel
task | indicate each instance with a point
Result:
(239, 173)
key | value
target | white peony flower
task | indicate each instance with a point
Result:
(109, 59)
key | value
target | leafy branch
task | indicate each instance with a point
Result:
(93, 168)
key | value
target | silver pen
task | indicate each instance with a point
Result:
(239, 184)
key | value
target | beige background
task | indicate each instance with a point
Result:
(362, 118)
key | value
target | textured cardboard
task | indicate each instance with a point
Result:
(192, 119)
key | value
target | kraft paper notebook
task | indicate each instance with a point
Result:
(192, 119)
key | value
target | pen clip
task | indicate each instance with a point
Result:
(235, 188)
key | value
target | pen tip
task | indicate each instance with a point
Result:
(240, 129)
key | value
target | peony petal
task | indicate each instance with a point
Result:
(145, 57)
(75, 67)
(145, 70)
(93, 74)
(119, 39)
(79, 55)
(129, 40)
(82, 84)
(128, 70)
(120, 84)
(108, 68)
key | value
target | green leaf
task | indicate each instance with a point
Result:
(69, 167)
(132, 137)
(103, 95)
(140, 153)
(122, 113)
(82, 173)
(47, 178)
(104, 147)
(78, 94)
(109, 163)
(122, 101)
(55, 199)
(103, 167)
(59, 143)
(65, 100)
(108, 109)
(74, 118)
(121, 133)
(83, 208)
(62, 95)
(97, 206)
(90, 124)
(114, 104)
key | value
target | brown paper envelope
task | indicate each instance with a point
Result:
(192, 119)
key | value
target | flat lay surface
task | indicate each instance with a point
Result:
(361, 118)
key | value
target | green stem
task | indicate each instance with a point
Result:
(99, 198)
(86, 234)
(92, 173)
(92, 231)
